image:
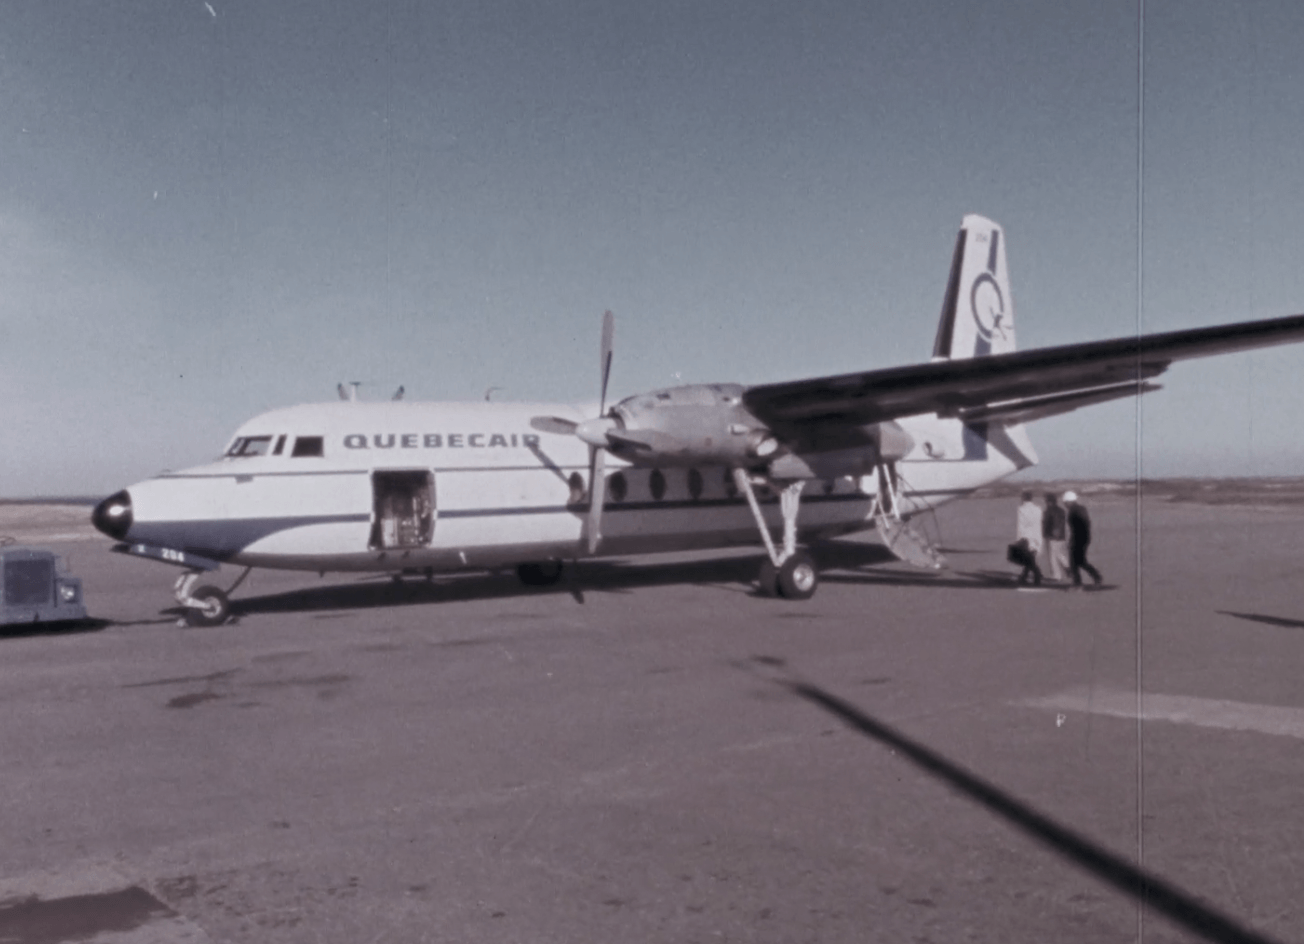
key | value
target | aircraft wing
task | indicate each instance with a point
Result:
(1015, 386)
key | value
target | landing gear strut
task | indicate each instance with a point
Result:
(789, 572)
(206, 605)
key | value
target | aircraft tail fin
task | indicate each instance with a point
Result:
(977, 311)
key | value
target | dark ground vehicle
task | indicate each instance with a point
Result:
(34, 588)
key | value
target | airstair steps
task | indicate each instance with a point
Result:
(908, 543)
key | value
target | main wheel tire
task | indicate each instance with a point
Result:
(798, 577)
(767, 581)
(540, 575)
(214, 611)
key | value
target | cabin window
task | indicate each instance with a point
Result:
(618, 487)
(246, 446)
(730, 486)
(307, 446)
(576, 485)
(656, 484)
(694, 484)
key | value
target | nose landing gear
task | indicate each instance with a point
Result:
(206, 605)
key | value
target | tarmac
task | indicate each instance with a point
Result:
(652, 752)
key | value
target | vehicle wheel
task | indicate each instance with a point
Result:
(214, 611)
(539, 575)
(767, 581)
(798, 577)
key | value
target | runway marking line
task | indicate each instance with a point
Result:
(1178, 709)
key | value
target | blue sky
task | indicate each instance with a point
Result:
(209, 210)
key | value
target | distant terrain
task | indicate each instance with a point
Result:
(1241, 492)
(39, 520)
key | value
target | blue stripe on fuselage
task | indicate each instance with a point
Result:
(222, 537)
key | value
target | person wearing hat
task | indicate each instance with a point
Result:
(1054, 529)
(1079, 537)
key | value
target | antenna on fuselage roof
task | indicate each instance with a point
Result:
(349, 391)
(488, 394)
(398, 394)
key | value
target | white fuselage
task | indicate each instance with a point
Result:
(448, 486)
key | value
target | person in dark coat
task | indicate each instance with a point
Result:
(1079, 538)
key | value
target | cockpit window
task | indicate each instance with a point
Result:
(246, 446)
(307, 446)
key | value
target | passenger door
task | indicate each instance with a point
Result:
(403, 508)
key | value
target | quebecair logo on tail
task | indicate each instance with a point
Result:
(988, 304)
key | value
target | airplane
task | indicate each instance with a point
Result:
(404, 487)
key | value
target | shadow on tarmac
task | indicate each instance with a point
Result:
(1270, 620)
(1150, 890)
(65, 628)
(952, 579)
(844, 562)
(599, 576)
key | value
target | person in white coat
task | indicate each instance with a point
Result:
(1027, 540)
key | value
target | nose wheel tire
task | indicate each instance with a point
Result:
(797, 577)
(214, 608)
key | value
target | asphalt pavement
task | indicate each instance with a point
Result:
(652, 752)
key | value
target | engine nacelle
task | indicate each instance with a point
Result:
(853, 452)
(698, 424)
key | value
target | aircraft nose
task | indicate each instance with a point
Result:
(113, 515)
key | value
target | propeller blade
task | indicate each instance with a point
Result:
(553, 424)
(608, 339)
(597, 496)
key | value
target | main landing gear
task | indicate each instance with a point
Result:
(789, 572)
(206, 605)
